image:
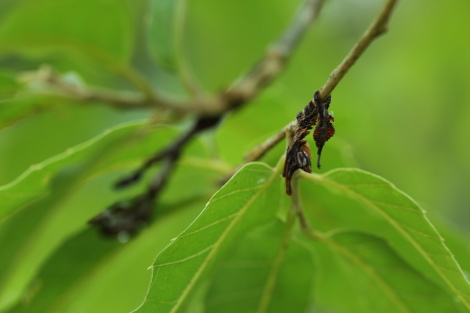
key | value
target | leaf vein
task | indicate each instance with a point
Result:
(234, 193)
(195, 255)
(209, 225)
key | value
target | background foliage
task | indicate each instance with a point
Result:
(401, 113)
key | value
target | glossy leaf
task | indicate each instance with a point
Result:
(249, 198)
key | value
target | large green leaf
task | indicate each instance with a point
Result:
(351, 198)
(266, 272)
(374, 278)
(248, 199)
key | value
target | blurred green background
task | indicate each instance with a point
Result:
(402, 111)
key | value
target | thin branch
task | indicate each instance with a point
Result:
(377, 28)
(124, 100)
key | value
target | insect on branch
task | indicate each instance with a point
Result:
(316, 112)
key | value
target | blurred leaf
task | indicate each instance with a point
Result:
(249, 198)
(164, 32)
(8, 85)
(264, 266)
(10, 107)
(390, 214)
(58, 196)
(45, 193)
(374, 278)
(33, 183)
(13, 109)
(57, 126)
(88, 272)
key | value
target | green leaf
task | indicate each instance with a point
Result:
(374, 278)
(50, 205)
(248, 199)
(8, 85)
(12, 109)
(88, 272)
(164, 32)
(34, 182)
(380, 208)
(58, 196)
(266, 272)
